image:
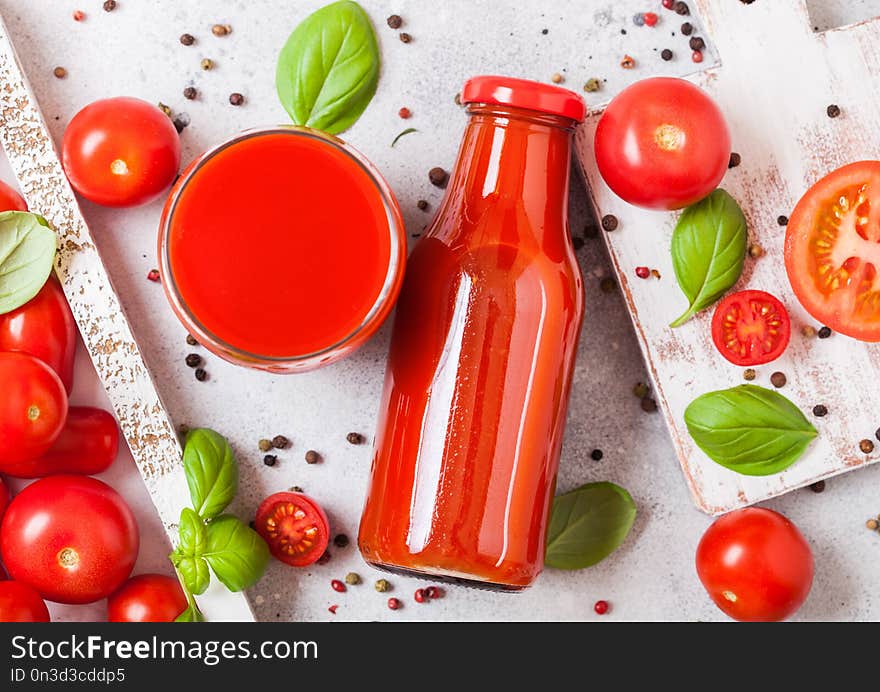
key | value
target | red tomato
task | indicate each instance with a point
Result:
(751, 328)
(756, 565)
(121, 152)
(33, 408)
(147, 598)
(294, 526)
(21, 603)
(72, 538)
(832, 250)
(43, 327)
(10, 200)
(662, 143)
(88, 444)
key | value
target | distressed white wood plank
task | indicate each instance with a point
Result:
(776, 79)
(95, 305)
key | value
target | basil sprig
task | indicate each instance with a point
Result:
(207, 540)
(329, 68)
(27, 251)
(588, 524)
(708, 250)
(749, 429)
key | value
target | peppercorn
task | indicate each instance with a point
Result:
(165, 109)
(201, 375)
(394, 603)
(207, 64)
(639, 19)
(405, 37)
(270, 460)
(433, 592)
(296, 489)
(191, 340)
(187, 39)
(697, 56)
(545, 31)
(79, 15)
(833, 110)
(782, 220)
(193, 360)
(340, 540)
(333, 609)
(778, 379)
(395, 21)
(668, 4)
(280, 442)
(556, 78)
(643, 272)
(59, 72)
(354, 438)
(596, 455)
(818, 486)
(749, 374)
(628, 62)
(601, 607)
(681, 8)
(422, 204)
(438, 176)
(457, 99)
(236, 99)
(180, 123)
(221, 30)
(666, 54)
(687, 28)
(607, 285)
(872, 524)
(190, 93)
(609, 223)
(109, 5)
(820, 410)
(650, 18)
(696, 43)
(337, 585)
(325, 557)
(756, 251)
(824, 332)
(877, 434)
(649, 405)
(655, 273)
(592, 85)
(420, 596)
(264, 445)
(808, 331)
(866, 446)
(153, 275)
(312, 457)
(641, 390)
(735, 160)
(352, 578)
(404, 113)
(382, 586)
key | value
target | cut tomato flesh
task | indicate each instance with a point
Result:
(751, 328)
(295, 528)
(832, 250)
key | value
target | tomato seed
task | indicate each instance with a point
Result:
(601, 607)
(420, 596)
(394, 604)
(643, 272)
(338, 586)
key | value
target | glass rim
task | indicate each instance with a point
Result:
(396, 230)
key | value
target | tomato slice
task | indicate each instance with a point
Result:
(294, 526)
(832, 250)
(751, 328)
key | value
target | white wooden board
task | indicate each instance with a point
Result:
(105, 330)
(774, 83)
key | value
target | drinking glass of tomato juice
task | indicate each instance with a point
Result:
(282, 249)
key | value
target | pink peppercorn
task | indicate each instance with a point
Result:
(668, 4)
(393, 603)
(333, 608)
(153, 275)
(433, 592)
(601, 607)
(697, 56)
(643, 272)
(404, 113)
(79, 15)
(650, 19)
(337, 585)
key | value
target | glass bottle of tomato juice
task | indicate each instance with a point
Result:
(482, 353)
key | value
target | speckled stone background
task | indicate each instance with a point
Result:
(135, 51)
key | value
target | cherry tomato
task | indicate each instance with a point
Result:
(751, 328)
(33, 408)
(21, 603)
(121, 152)
(43, 327)
(10, 200)
(294, 526)
(756, 565)
(662, 143)
(832, 250)
(147, 598)
(72, 538)
(88, 444)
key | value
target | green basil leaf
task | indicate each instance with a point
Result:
(188, 556)
(708, 250)
(191, 614)
(27, 251)
(236, 553)
(211, 472)
(749, 429)
(588, 524)
(329, 68)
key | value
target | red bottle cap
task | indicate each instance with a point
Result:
(523, 93)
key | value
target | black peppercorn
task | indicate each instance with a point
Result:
(649, 405)
(236, 99)
(270, 460)
(782, 220)
(681, 8)
(405, 37)
(877, 434)
(824, 332)
(596, 455)
(609, 223)
(190, 93)
(395, 21)
(696, 43)
(833, 110)
(820, 410)
(666, 54)
(312, 457)
(687, 28)
(355, 438)
(109, 5)
(818, 486)
(866, 446)
(438, 176)
(778, 379)
(340, 540)
(193, 360)
(201, 375)
(422, 204)
(191, 340)
(735, 160)
(187, 39)
(280, 442)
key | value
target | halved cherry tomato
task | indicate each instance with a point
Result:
(751, 328)
(43, 327)
(21, 603)
(294, 526)
(10, 200)
(147, 598)
(73, 538)
(88, 444)
(121, 152)
(832, 250)
(33, 408)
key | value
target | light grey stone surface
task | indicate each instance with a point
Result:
(135, 51)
